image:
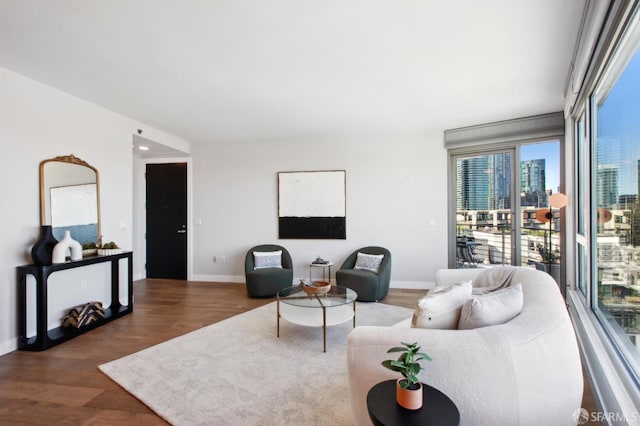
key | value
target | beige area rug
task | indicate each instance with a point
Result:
(237, 372)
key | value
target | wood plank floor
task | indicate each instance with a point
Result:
(64, 386)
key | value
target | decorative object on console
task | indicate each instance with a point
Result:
(89, 249)
(42, 250)
(109, 249)
(84, 315)
(409, 389)
(66, 246)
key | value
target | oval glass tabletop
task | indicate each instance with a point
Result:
(296, 296)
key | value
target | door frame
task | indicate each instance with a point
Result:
(140, 213)
(454, 155)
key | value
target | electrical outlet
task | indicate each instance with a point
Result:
(223, 259)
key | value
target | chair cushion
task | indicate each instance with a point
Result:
(267, 259)
(494, 308)
(369, 262)
(441, 306)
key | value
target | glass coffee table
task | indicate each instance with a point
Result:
(335, 307)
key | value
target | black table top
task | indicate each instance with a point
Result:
(437, 408)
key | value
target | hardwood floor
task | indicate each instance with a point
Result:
(63, 384)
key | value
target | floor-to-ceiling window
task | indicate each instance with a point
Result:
(499, 194)
(615, 146)
(605, 117)
(483, 208)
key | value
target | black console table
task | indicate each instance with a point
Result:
(45, 338)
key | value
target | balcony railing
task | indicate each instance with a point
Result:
(486, 245)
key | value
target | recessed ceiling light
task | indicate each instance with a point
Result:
(143, 148)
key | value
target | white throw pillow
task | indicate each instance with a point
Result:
(370, 262)
(267, 259)
(492, 309)
(441, 306)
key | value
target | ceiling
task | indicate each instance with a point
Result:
(260, 70)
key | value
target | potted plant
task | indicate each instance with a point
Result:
(109, 249)
(550, 262)
(408, 389)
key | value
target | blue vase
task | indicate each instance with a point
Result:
(42, 250)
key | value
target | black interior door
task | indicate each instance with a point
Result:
(167, 220)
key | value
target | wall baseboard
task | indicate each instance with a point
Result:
(8, 346)
(218, 278)
(411, 285)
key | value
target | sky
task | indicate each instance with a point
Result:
(619, 126)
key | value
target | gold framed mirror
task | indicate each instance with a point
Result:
(70, 198)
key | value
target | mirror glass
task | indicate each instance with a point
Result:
(70, 198)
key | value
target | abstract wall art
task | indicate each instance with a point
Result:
(312, 204)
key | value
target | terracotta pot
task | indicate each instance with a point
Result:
(411, 399)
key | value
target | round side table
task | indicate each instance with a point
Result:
(437, 408)
(324, 267)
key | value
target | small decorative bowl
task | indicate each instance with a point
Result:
(317, 287)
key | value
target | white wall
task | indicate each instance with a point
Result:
(395, 186)
(38, 122)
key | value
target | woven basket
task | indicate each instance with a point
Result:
(318, 287)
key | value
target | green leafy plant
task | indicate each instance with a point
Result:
(110, 245)
(88, 246)
(549, 256)
(407, 364)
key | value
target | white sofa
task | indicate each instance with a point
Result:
(523, 372)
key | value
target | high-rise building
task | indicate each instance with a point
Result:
(500, 183)
(473, 193)
(607, 186)
(533, 183)
(484, 182)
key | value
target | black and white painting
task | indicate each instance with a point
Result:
(312, 205)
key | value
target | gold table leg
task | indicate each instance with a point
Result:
(324, 328)
(354, 313)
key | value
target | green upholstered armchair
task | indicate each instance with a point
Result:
(266, 282)
(370, 286)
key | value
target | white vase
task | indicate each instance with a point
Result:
(66, 246)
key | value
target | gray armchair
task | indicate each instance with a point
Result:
(266, 282)
(370, 286)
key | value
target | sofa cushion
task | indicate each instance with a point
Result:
(493, 308)
(369, 262)
(441, 306)
(267, 259)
